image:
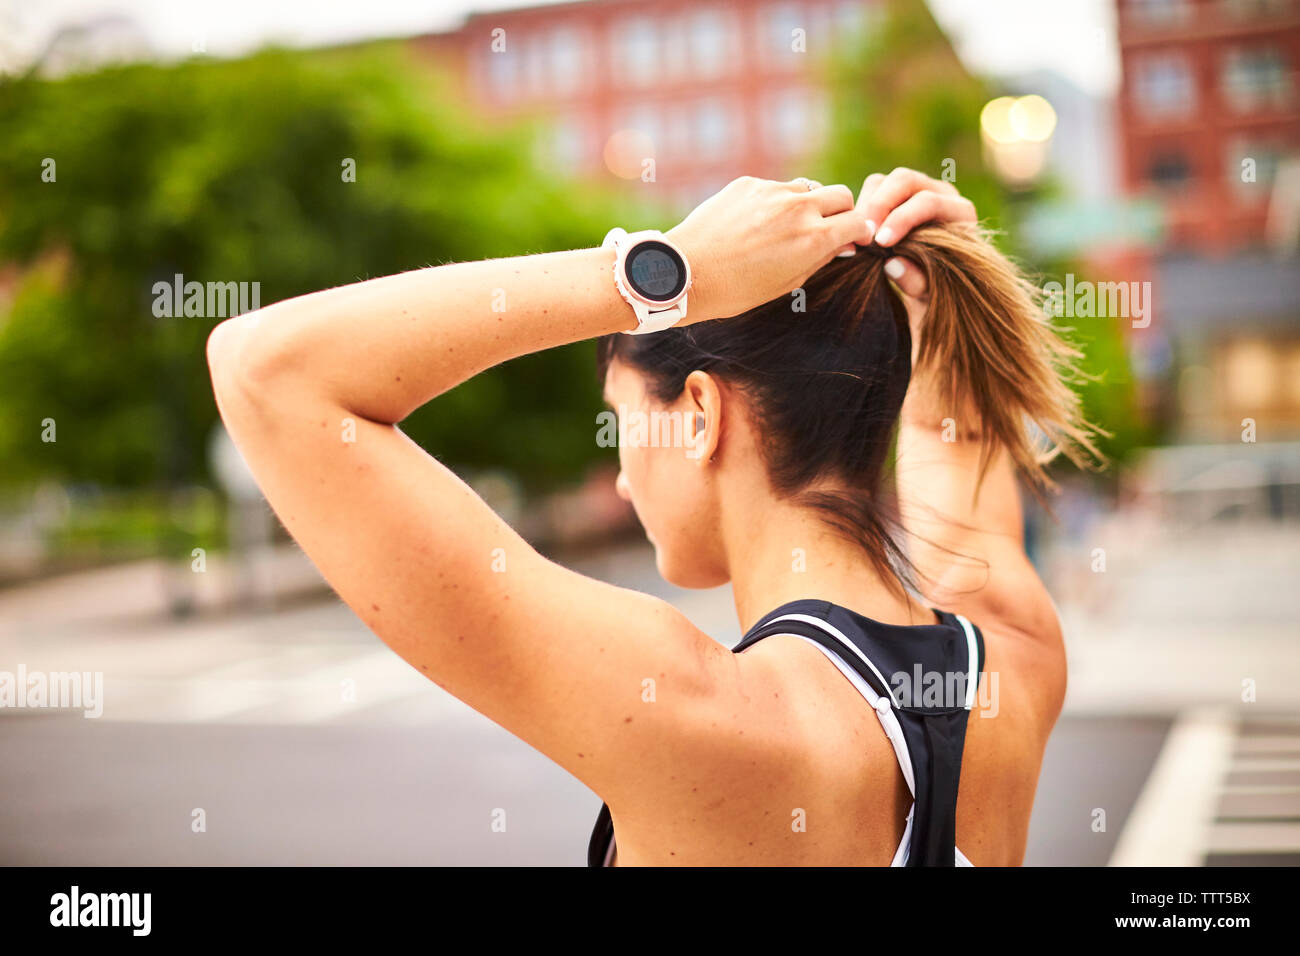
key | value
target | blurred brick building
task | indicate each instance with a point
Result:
(1209, 109)
(706, 89)
(1209, 126)
(1206, 129)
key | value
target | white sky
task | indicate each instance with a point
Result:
(1074, 37)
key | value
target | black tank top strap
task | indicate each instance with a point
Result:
(927, 676)
(602, 837)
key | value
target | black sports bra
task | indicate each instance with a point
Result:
(920, 679)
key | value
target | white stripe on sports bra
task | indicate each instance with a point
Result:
(972, 661)
(836, 633)
(885, 713)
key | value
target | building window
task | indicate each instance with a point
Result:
(779, 21)
(853, 16)
(711, 36)
(1169, 171)
(636, 50)
(1252, 9)
(1160, 12)
(502, 71)
(676, 131)
(1164, 86)
(843, 24)
(568, 147)
(566, 59)
(1255, 79)
(1251, 168)
(645, 119)
(533, 78)
(794, 121)
(675, 53)
(715, 132)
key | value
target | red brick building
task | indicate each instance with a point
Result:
(689, 92)
(1209, 107)
(1209, 114)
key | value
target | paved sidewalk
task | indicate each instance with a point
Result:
(1181, 618)
(143, 590)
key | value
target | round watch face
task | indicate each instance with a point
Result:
(655, 271)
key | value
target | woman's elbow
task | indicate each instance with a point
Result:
(237, 364)
(221, 353)
(219, 346)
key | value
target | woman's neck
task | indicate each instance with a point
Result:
(777, 552)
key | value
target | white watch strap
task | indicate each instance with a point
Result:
(656, 320)
(648, 318)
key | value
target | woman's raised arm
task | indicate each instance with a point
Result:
(311, 388)
(384, 347)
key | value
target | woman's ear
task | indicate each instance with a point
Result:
(703, 413)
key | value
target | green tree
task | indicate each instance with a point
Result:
(901, 97)
(234, 172)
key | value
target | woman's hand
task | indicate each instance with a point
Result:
(900, 202)
(757, 239)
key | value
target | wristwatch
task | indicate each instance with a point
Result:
(652, 275)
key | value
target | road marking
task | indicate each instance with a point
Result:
(1269, 744)
(1172, 818)
(1264, 762)
(1254, 837)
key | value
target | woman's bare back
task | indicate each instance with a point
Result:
(830, 790)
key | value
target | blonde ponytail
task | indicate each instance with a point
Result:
(989, 354)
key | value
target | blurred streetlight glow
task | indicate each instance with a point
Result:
(995, 120)
(1015, 131)
(1033, 118)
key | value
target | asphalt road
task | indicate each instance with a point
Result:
(240, 718)
(87, 792)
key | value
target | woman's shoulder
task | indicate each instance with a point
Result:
(1025, 664)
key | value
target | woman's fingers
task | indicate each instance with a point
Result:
(923, 207)
(846, 228)
(909, 279)
(869, 187)
(889, 192)
(755, 240)
(895, 204)
(832, 199)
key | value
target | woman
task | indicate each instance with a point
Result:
(792, 368)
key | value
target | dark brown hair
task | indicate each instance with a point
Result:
(827, 384)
